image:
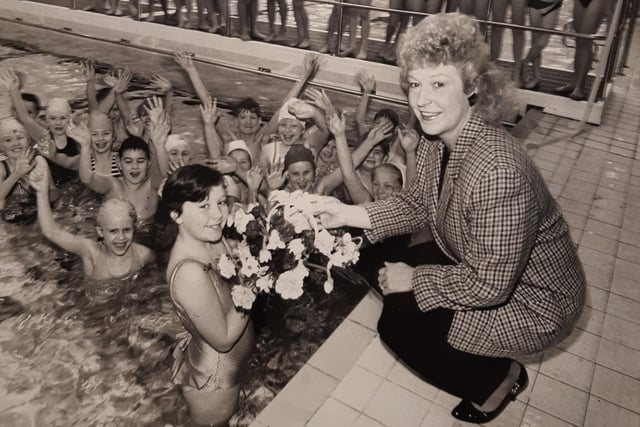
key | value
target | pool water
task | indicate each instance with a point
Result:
(67, 360)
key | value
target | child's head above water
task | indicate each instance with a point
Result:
(13, 138)
(387, 180)
(134, 158)
(101, 129)
(248, 114)
(116, 225)
(239, 151)
(300, 167)
(58, 115)
(178, 149)
(290, 129)
(32, 102)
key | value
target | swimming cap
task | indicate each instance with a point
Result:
(174, 141)
(239, 144)
(58, 105)
(121, 205)
(10, 125)
(298, 153)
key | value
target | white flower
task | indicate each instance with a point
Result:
(274, 241)
(264, 256)
(241, 220)
(250, 266)
(226, 267)
(289, 284)
(338, 258)
(324, 242)
(328, 285)
(242, 297)
(346, 238)
(297, 218)
(265, 283)
(296, 247)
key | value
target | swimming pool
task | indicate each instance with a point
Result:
(68, 361)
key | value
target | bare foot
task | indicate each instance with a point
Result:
(362, 54)
(304, 44)
(282, 35)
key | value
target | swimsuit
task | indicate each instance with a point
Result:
(197, 365)
(115, 169)
(102, 291)
(20, 203)
(545, 6)
(61, 175)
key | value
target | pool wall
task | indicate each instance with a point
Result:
(276, 60)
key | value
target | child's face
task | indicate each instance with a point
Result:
(101, 130)
(13, 144)
(385, 184)
(248, 122)
(180, 155)
(374, 159)
(300, 176)
(134, 165)
(32, 109)
(204, 220)
(328, 152)
(242, 159)
(116, 228)
(57, 122)
(41, 118)
(289, 131)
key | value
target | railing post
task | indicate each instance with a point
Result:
(340, 10)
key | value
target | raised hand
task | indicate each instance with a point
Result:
(209, 111)
(277, 176)
(366, 81)
(379, 133)
(155, 110)
(160, 83)
(119, 79)
(322, 101)
(25, 162)
(39, 176)
(224, 165)
(254, 178)
(310, 64)
(79, 132)
(409, 139)
(173, 166)
(301, 109)
(9, 79)
(183, 59)
(337, 125)
(87, 70)
(159, 130)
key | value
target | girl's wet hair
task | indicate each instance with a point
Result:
(134, 143)
(116, 203)
(191, 183)
(247, 104)
(30, 97)
(389, 114)
(455, 39)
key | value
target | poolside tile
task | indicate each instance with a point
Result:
(602, 229)
(437, 416)
(630, 237)
(395, 406)
(629, 252)
(341, 350)
(377, 358)
(621, 331)
(334, 414)
(366, 421)
(536, 418)
(568, 368)
(357, 388)
(597, 298)
(404, 377)
(511, 416)
(595, 258)
(601, 413)
(619, 357)
(367, 312)
(625, 308)
(599, 243)
(624, 285)
(616, 387)
(598, 277)
(591, 320)
(559, 399)
(299, 400)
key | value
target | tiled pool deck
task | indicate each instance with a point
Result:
(591, 379)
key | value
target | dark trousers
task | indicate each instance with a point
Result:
(419, 338)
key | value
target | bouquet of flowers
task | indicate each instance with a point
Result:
(283, 250)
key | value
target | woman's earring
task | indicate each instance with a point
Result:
(472, 97)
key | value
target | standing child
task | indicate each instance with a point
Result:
(108, 264)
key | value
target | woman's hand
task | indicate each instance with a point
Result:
(395, 277)
(332, 213)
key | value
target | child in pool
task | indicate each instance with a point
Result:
(19, 160)
(210, 362)
(116, 256)
(142, 173)
(104, 161)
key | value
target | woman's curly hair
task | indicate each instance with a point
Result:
(455, 39)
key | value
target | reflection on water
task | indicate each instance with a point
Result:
(70, 360)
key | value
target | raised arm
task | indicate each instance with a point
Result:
(89, 73)
(368, 84)
(9, 80)
(409, 139)
(164, 86)
(184, 60)
(209, 113)
(197, 295)
(132, 122)
(39, 179)
(158, 132)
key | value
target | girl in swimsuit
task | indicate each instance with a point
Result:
(210, 360)
(115, 256)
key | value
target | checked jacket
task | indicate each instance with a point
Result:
(517, 285)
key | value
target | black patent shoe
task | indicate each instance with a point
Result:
(465, 411)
